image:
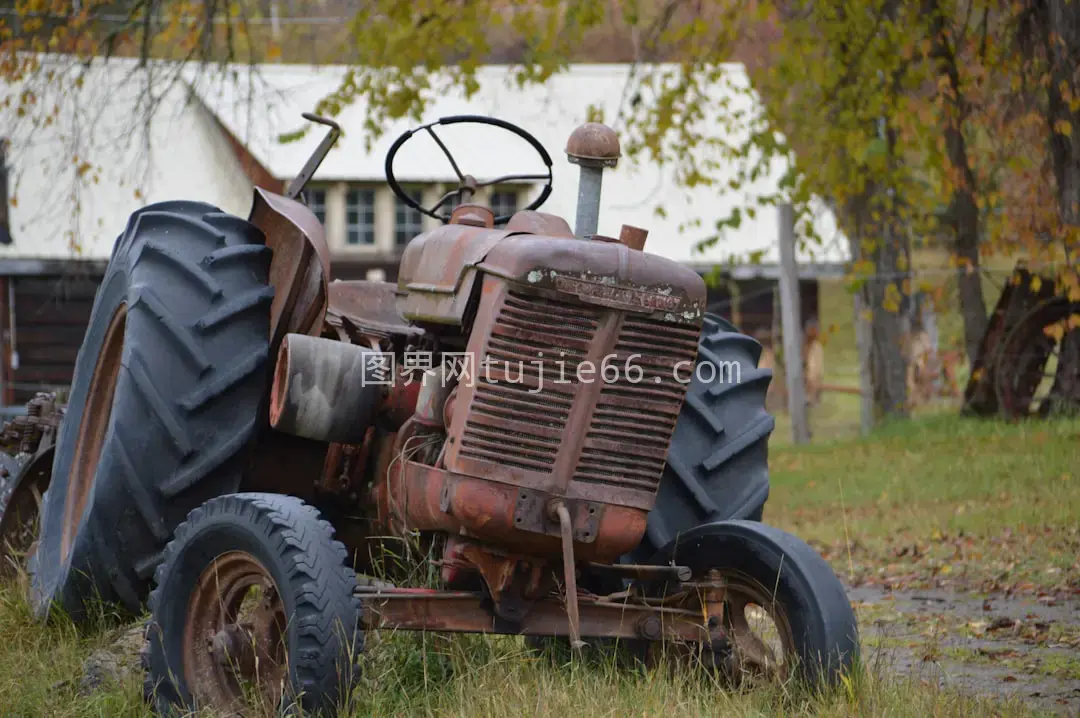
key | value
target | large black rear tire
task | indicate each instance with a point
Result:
(165, 399)
(718, 464)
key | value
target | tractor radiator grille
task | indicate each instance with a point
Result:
(534, 343)
(623, 444)
(627, 440)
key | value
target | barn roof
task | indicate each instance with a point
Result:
(256, 113)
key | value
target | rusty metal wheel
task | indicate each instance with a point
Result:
(92, 428)
(20, 508)
(1031, 376)
(234, 633)
(254, 606)
(785, 613)
(761, 644)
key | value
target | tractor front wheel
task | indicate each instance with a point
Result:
(785, 612)
(254, 603)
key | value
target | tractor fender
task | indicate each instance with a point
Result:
(300, 268)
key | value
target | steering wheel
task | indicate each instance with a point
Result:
(467, 182)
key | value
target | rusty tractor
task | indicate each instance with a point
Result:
(269, 459)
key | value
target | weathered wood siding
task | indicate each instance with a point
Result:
(50, 317)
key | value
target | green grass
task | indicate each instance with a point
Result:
(959, 502)
(421, 675)
(942, 500)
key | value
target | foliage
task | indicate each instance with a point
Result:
(47, 50)
(832, 78)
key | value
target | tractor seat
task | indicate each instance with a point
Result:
(370, 307)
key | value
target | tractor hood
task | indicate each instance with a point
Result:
(607, 273)
(439, 269)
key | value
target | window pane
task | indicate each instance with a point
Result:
(360, 216)
(317, 203)
(504, 203)
(408, 222)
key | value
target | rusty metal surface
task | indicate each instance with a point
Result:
(595, 144)
(438, 271)
(633, 237)
(400, 401)
(300, 268)
(427, 498)
(462, 611)
(641, 572)
(557, 509)
(33, 430)
(344, 473)
(543, 415)
(92, 428)
(370, 307)
(473, 215)
(602, 273)
(226, 640)
(325, 389)
(529, 221)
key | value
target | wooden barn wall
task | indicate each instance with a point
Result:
(51, 314)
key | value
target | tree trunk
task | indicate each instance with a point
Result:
(888, 365)
(1060, 36)
(964, 211)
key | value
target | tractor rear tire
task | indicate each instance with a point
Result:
(166, 396)
(717, 467)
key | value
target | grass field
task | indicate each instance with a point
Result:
(970, 505)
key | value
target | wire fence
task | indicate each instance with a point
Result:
(938, 367)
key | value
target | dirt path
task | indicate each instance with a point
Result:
(992, 646)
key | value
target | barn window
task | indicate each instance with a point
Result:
(504, 203)
(360, 216)
(317, 203)
(408, 222)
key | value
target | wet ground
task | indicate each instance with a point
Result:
(1023, 647)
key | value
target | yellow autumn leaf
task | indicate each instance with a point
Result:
(1055, 331)
(1074, 321)
(1063, 127)
(1036, 283)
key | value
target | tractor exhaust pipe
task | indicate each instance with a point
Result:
(593, 147)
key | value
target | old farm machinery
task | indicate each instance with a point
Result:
(247, 443)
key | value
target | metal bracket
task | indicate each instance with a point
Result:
(300, 181)
(530, 514)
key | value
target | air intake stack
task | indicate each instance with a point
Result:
(593, 147)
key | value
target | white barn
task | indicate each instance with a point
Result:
(72, 180)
